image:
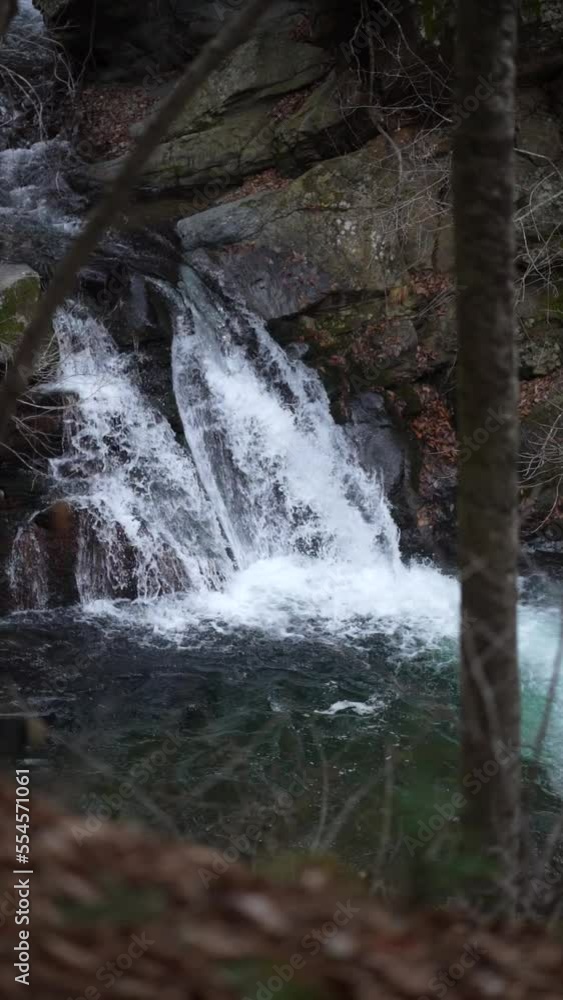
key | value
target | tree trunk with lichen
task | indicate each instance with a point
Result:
(484, 189)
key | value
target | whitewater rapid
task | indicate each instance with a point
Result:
(261, 518)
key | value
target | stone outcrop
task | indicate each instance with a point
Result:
(277, 103)
(36, 433)
(19, 292)
(229, 131)
(343, 217)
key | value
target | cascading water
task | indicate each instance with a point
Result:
(28, 570)
(282, 476)
(147, 526)
(263, 517)
(265, 480)
(35, 198)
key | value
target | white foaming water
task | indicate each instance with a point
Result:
(263, 521)
(315, 546)
(147, 526)
(267, 481)
(28, 570)
(282, 476)
(30, 187)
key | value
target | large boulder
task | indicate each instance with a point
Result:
(276, 103)
(229, 130)
(325, 260)
(361, 220)
(383, 449)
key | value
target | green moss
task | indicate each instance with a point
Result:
(550, 304)
(17, 303)
(344, 321)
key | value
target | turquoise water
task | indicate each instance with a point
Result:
(218, 730)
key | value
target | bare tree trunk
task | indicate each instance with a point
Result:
(484, 194)
(8, 10)
(61, 285)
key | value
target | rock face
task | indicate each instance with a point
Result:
(121, 42)
(383, 449)
(277, 103)
(206, 145)
(339, 218)
(19, 292)
(332, 260)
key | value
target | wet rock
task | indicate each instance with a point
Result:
(34, 438)
(384, 450)
(380, 447)
(43, 554)
(20, 288)
(271, 284)
(21, 492)
(59, 525)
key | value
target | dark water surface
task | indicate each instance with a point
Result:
(222, 727)
(295, 740)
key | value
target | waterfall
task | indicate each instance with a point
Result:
(282, 477)
(263, 510)
(147, 526)
(264, 472)
(260, 517)
(28, 570)
(38, 208)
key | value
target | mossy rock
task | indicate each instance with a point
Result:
(20, 288)
(227, 131)
(540, 354)
(261, 68)
(343, 216)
